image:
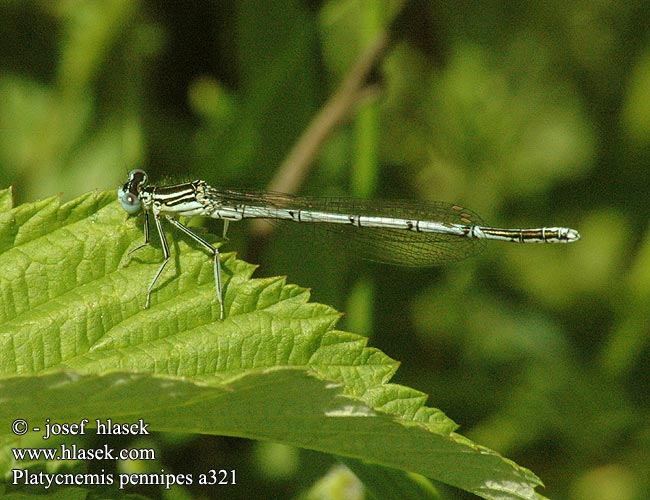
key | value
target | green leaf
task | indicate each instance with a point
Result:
(392, 484)
(75, 342)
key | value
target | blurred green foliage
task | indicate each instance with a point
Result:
(530, 113)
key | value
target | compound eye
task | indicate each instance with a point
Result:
(129, 193)
(138, 177)
(130, 202)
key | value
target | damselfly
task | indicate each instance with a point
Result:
(398, 232)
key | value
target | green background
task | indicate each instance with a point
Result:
(529, 113)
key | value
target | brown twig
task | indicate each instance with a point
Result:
(354, 90)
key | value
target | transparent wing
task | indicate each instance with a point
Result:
(392, 246)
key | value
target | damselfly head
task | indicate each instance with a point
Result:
(129, 194)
